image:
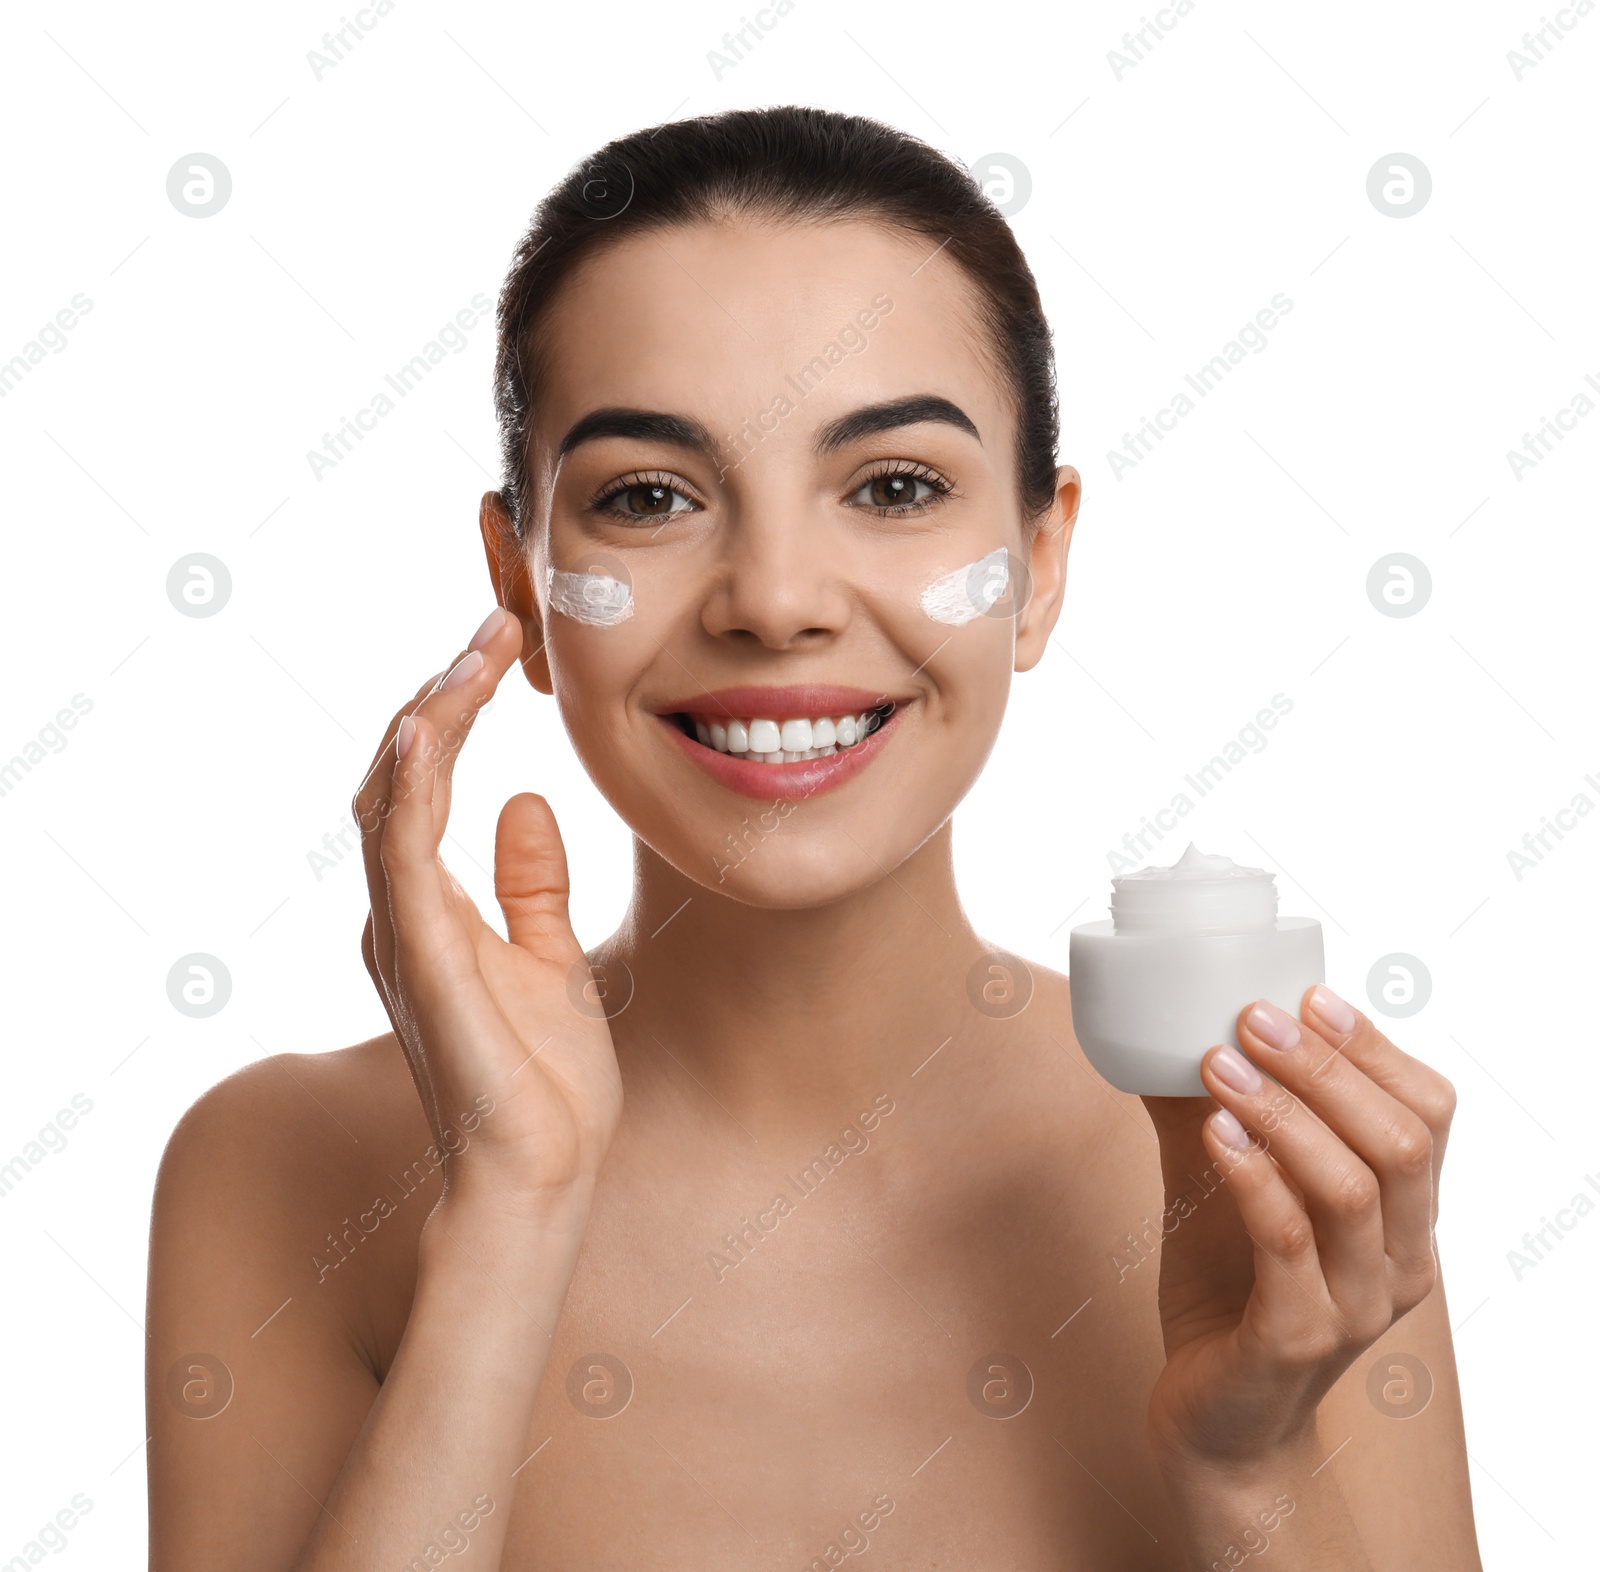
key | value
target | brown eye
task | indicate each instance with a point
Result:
(896, 492)
(648, 497)
(889, 490)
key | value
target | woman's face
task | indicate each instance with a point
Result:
(737, 542)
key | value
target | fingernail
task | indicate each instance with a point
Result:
(1272, 1026)
(463, 669)
(1333, 1009)
(487, 628)
(1228, 1130)
(402, 738)
(1234, 1070)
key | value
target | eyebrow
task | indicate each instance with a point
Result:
(683, 431)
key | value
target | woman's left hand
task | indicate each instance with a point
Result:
(1318, 1237)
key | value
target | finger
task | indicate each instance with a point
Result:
(1290, 1294)
(1340, 1192)
(370, 808)
(453, 705)
(381, 764)
(1392, 1141)
(431, 950)
(1429, 1095)
(530, 879)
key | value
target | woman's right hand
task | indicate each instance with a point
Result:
(503, 1037)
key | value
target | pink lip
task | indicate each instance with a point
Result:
(805, 777)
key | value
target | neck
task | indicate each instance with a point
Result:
(788, 1016)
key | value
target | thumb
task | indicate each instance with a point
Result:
(530, 878)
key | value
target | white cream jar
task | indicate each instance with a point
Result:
(1186, 948)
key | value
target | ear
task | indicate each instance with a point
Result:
(513, 588)
(1047, 562)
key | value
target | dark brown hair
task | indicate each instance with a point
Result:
(793, 163)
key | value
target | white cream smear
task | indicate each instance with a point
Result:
(596, 599)
(956, 598)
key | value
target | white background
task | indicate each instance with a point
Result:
(1167, 207)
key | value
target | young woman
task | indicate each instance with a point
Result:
(788, 1224)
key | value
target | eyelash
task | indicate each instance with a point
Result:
(941, 488)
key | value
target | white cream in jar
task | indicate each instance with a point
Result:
(1186, 948)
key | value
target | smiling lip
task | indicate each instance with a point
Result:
(803, 778)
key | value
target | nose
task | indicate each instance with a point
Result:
(781, 580)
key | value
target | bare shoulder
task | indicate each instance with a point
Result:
(271, 1183)
(282, 1260)
(298, 1117)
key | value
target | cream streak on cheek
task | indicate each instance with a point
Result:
(968, 592)
(595, 599)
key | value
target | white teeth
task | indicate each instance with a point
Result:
(765, 737)
(768, 741)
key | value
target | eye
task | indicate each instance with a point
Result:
(644, 496)
(893, 493)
